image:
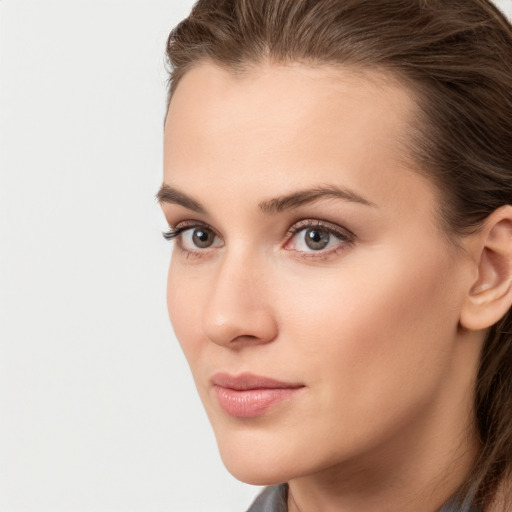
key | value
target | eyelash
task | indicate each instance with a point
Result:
(345, 236)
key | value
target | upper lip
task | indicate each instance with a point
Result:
(246, 381)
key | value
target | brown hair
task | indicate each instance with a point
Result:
(456, 57)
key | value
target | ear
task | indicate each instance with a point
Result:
(490, 295)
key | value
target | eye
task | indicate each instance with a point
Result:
(316, 239)
(193, 238)
(197, 238)
(316, 236)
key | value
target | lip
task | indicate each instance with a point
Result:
(248, 395)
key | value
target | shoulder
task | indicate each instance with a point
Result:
(455, 505)
(271, 499)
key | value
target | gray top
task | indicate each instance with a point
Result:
(273, 499)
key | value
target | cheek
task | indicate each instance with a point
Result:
(368, 330)
(184, 307)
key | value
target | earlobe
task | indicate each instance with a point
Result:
(490, 295)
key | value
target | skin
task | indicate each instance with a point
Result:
(370, 326)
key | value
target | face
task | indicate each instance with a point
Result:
(313, 294)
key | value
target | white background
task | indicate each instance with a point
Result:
(97, 408)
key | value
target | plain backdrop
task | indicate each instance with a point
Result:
(98, 412)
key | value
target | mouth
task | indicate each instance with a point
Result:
(248, 395)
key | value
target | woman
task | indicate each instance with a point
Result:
(338, 182)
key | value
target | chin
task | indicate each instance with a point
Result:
(256, 471)
(259, 461)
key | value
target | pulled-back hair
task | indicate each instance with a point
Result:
(455, 56)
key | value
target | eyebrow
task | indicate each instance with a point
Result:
(302, 197)
(168, 194)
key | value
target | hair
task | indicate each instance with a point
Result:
(455, 56)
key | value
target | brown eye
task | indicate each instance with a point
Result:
(203, 237)
(316, 239)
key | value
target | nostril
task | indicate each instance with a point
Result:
(245, 337)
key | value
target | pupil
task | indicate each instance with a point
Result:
(315, 236)
(316, 239)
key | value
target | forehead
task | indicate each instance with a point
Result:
(287, 98)
(275, 126)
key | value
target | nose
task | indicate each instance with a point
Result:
(237, 310)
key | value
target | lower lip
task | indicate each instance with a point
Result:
(250, 403)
